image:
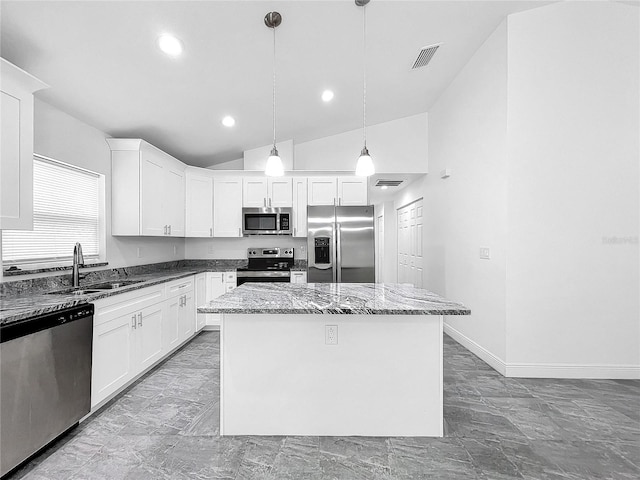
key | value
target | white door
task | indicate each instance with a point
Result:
(352, 190)
(187, 316)
(321, 191)
(254, 192)
(171, 326)
(299, 207)
(410, 238)
(380, 256)
(227, 207)
(280, 192)
(199, 209)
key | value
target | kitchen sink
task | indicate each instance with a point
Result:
(95, 288)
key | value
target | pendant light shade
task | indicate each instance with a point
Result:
(364, 166)
(274, 166)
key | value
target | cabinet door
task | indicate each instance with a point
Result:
(171, 325)
(113, 356)
(199, 205)
(299, 207)
(187, 316)
(215, 288)
(201, 299)
(279, 192)
(254, 192)
(149, 336)
(173, 198)
(321, 191)
(152, 184)
(227, 207)
(352, 190)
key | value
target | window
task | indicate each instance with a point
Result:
(66, 210)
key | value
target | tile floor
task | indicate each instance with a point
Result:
(166, 426)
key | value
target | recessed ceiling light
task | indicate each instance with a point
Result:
(327, 96)
(384, 187)
(228, 121)
(170, 45)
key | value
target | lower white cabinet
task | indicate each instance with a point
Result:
(201, 299)
(132, 331)
(218, 283)
(298, 277)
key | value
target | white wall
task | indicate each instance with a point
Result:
(398, 146)
(65, 138)
(573, 182)
(467, 133)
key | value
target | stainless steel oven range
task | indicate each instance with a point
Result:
(267, 265)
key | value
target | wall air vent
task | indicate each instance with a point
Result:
(425, 56)
(388, 183)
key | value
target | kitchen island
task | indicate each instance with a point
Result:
(331, 359)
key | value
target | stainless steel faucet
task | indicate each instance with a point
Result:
(78, 261)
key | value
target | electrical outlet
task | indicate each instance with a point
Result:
(331, 334)
(485, 253)
(303, 248)
(175, 250)
(210, 249)
(139, 252)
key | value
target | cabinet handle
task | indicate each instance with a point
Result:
(339, 203)
(334, 201)
(133, 322)
(140, 319)
(239, 231)
(169, 229)
(294, 231)
(211, 231)
(269, 202)
(165, 229)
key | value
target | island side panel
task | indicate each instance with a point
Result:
(383, 378)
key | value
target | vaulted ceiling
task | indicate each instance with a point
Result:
(103, 65)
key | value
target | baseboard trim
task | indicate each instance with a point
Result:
(565, 370)
(211, 328)
(545, 370)
(494, 361)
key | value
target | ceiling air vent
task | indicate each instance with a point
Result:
(388, 183)
(425, 56)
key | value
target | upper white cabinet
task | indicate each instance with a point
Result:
(16, 146)
(147, 190)
(300, 207)
(337, 191)
(199, 203)
(352, 191)
(227, 206)
(267, 192)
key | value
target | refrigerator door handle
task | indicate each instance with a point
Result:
(339, 253)
(334, 259)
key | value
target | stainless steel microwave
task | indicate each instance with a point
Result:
(266, 221)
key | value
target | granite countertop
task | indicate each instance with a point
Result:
(333, 298)
(25, 305)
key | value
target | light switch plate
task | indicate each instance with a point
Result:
(485, 253)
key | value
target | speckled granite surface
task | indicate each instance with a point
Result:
(20, 300)
(333, 298)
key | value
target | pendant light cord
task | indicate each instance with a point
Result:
(364, 76)
(274, 87)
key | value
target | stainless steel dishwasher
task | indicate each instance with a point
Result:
(45, 380)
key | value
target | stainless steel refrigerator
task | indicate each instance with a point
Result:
(340, 244)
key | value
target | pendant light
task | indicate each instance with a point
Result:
(274, 166)
(364, 167)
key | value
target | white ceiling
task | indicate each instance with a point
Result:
(101, 61)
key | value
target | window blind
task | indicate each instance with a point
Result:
(65, 211)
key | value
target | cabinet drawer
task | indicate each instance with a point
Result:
(229, 286)
(109, 308)
(230, 277)
(178, 287)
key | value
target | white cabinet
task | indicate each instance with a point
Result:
(218, 283)
(16, 146)
(300, 207)
(181, 311)
(298, 277)
(337, 191)
(199, 203)
(321, 190)
(227, 207)
(352, 191)
(127, 339)
(147, 190)
(201, 299)
(267, 192)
